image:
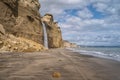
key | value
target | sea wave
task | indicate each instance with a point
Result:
(112, 56)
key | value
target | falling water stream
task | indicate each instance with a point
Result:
(45, 36)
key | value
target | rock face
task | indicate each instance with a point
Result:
(22, 19)
(2, 35)
(19, 44)
(2, 30)
(21, 28)
(53, 31)
(67, 44)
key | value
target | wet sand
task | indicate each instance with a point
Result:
(71, 66)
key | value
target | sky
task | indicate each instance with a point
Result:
(86, 22)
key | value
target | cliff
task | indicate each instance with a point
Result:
(68, 44)
(20, 21)
(53, 31)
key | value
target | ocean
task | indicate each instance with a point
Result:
(102, 52)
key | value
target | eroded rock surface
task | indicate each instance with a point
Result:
(2, 35)
(19, 44)
(53, 31)
(21, 27)
(22, 19)
(67, 44)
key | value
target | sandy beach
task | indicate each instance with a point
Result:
(70, 65)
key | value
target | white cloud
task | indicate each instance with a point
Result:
(85, 13)
(101, 6)
(82, 21)
(48, 5)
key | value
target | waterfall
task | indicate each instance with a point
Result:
(45, 35)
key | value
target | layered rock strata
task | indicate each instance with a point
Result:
(22, 19)
(53, 31)
(21, 28)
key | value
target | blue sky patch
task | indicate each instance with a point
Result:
(86, 21)
(72, 11)
(96, 14)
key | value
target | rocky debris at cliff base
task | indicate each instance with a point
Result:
(2, 30)
(19, 44)
(21, 18)
(67, 44)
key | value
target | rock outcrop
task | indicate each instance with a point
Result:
(68, 44)
(21, 28)
(2, 30)
(2, 35)
(22, 19)
(19, 44)
(53, 31)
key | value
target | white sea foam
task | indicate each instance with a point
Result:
(110, 55)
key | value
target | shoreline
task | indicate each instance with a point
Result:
(98, 54)
(71, 65)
